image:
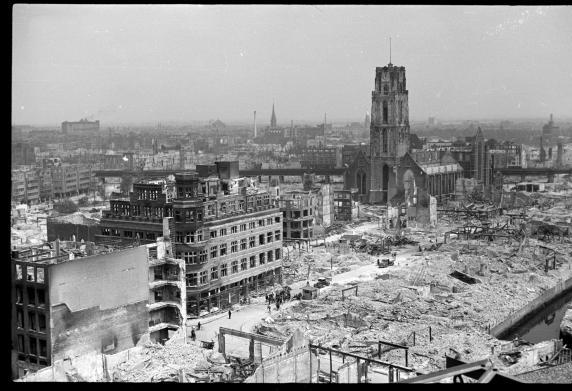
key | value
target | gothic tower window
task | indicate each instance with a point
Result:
(385, 89)
(385, 112)
(384, 141)
(400, 111)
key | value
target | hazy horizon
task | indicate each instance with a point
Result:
(185, 63)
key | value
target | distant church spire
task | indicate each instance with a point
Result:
(273, 118)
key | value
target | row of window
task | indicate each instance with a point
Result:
(192, 237)
(225, 207)
(216, 272)
(36, 297)
(195, 257)
(147, 194)
(36, 320)
(298, 224)
(36, 345)
(129, 234)
(296, 214)
(31, 275)
(252, 225)
(306, 234)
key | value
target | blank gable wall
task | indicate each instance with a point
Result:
(108, 280)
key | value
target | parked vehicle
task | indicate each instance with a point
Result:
(385, 262)
(322, 282)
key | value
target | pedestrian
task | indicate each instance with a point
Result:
(193, 335)
(269, 309)
(199, 326)
(229, 313)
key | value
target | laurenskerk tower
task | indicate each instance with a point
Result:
(389, 130)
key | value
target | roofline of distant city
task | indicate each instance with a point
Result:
(298, 122)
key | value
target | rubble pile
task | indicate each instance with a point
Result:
(420, 292)
(159, 363)
(77, 218)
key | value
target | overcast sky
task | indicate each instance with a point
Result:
(126, 63)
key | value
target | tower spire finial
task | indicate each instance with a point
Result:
(389, 50)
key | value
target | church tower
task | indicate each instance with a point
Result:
(389, 130)
(273, 118)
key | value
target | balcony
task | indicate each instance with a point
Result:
(163, 283)
(163, 325)
(163, 261)
(164, 304)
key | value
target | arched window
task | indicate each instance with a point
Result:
(361, 182)
(385, 112)
(385, 89)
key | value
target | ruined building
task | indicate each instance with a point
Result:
(228, 232)
(392, 173)
(481, 159)
(72, 299)
(346, 205)
(298, 213)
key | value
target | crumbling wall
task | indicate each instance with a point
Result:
(65, 231)
(91, 367)
(77, 333)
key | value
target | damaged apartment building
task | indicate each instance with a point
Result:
(228, 232)
(72, 299)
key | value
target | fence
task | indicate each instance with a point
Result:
(293, 367)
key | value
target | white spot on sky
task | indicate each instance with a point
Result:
(21, 107)
(241, 54)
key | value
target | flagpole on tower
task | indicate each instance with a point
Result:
(389, 50)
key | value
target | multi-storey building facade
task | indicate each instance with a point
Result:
(345, 205)
(68, 180)
(23, 153)
(298, 215)
(83, 126)
(25, 186)
(320, 157)
(229, 234)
